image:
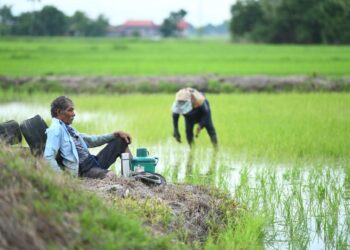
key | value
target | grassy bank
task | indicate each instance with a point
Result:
(43, 210)
(109, 56)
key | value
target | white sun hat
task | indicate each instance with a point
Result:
(183, 95)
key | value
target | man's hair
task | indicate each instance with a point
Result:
(60, 103)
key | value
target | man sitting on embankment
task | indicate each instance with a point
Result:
(66, 143)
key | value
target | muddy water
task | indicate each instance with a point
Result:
(306, 207)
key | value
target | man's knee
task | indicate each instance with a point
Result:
(118, 141)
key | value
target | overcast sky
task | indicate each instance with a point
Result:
(199, 12)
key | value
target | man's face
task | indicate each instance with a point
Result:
(67, 115)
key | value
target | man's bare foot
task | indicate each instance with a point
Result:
(110, 175)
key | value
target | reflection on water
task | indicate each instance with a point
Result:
(306, 207)
(20, 111)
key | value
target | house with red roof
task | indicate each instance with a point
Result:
(147, 29)
(184, 29)
(135, 28)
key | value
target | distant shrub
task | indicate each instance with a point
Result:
(166, 87)
(310, 84)
(42, 86)
(146, 88)
(213, 86)
(230, 88)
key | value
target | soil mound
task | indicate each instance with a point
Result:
(194, 209)
(40, 209)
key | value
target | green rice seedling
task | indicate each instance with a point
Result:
(291, 220)
(222, 181)
(250, 127)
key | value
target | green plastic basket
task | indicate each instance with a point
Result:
(144, 164)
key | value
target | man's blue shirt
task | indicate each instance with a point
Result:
(60, 141)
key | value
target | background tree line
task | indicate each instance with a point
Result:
(291, 21)
(50, 21)
(169, 26)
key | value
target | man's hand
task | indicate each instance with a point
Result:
(198, 130)
(124, 135)
(177, 136)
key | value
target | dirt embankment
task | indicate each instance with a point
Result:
(194, 209)
(39, 207)
(207, 83)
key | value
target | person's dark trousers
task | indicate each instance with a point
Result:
(98, 165)
(211, 132)
(208, 126)
(108, 155)
(189, 124)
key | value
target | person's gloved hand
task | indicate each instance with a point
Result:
(177, 136)
(198, 130)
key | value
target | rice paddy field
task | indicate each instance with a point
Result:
(283, 156)
(103, 56)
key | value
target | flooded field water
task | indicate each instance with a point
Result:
(304, 206)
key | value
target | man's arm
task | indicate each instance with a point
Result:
(176, 132)
(96, 140)
(52, 147)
